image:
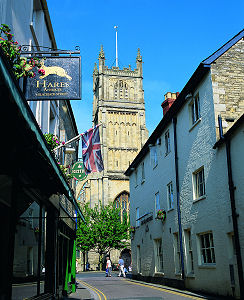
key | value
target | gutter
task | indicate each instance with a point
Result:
(178, 199)
(49, 23)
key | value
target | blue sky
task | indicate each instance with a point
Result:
(174, 37)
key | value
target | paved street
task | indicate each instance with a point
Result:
(94, 285)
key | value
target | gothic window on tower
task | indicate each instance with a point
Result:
(120, 89)
(116, 90)
(122, 203)
(126, 91)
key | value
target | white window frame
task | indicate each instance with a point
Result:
(177, 255)
(136, 178)
(189, 252)
(206, 250)
(199, 190)
(195, 109)
(137, 217)
(170, 195)
(142, 172)
(138, 259)
(158, 256)
(167, 142)
(157, 203)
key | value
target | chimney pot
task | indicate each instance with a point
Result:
(169, 99)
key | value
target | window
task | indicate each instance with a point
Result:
(136, 178)
(207, 248)
(195, 109)
(189, 254)
(177, 253)
(170, 195)
(167, 142)
(138, 259)
(199, 184)
(157, 204)
(142, 173)
(122, 203)
(158, 250)
(153, 155)
(137, 217)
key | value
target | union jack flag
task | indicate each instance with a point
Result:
(91, 151)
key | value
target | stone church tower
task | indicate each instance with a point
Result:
(118, 105)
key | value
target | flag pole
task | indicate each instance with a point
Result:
(73, 139)
(116, 44)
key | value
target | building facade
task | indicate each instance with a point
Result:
(38, 207)
(119, 109)
(197, 240)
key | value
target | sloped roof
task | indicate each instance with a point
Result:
(224, 48)
(195, 79)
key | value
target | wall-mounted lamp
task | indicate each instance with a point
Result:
(69, 150)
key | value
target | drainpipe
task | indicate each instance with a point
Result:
(234, 219)
(178, 199)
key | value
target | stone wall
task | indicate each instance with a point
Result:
(228, 85)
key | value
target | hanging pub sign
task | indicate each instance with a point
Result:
(78, 171)
(58, 78)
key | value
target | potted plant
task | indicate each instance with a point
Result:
(161, 215)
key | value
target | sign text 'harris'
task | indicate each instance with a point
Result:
(59, 79)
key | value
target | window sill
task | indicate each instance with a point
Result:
(170, 209)
(191, 275)
(207, 266)
(199, 199)
(155, 166)
(136, 186)
(142, 181)
(195, 124)
(178, 274)
(166, 154)
(158, 274)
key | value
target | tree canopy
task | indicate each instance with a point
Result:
(104, 230)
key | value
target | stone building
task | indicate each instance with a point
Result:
(191, 168)
(119, 108)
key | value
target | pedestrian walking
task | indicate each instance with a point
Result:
(108, 267)
(121, 266)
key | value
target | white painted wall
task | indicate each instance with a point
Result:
(211, 213)
(20, 15)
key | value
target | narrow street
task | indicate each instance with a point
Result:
(94, 285)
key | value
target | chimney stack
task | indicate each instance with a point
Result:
(169, 99)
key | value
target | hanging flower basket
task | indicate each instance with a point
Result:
(132, 229)
(161, 215)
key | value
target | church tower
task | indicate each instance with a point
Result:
(119, 108)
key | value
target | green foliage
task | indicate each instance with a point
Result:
(103, 230)
(21, 66)
(52, 140)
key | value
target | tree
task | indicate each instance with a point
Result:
(105, 230)
(84, 233)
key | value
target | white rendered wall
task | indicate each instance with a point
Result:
(210, 214)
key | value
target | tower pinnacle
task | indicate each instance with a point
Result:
(101, 54)
(139, 57)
